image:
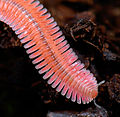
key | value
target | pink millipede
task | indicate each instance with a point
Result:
(48, 49)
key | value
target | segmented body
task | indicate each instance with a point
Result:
(48, 49)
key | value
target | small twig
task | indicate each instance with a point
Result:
(93, 45)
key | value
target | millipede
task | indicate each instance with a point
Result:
(49, 50)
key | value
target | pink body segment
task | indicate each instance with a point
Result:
(48, 49)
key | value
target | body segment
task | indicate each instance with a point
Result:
(48, 49)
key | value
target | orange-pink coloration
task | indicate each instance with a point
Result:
(48, 49)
